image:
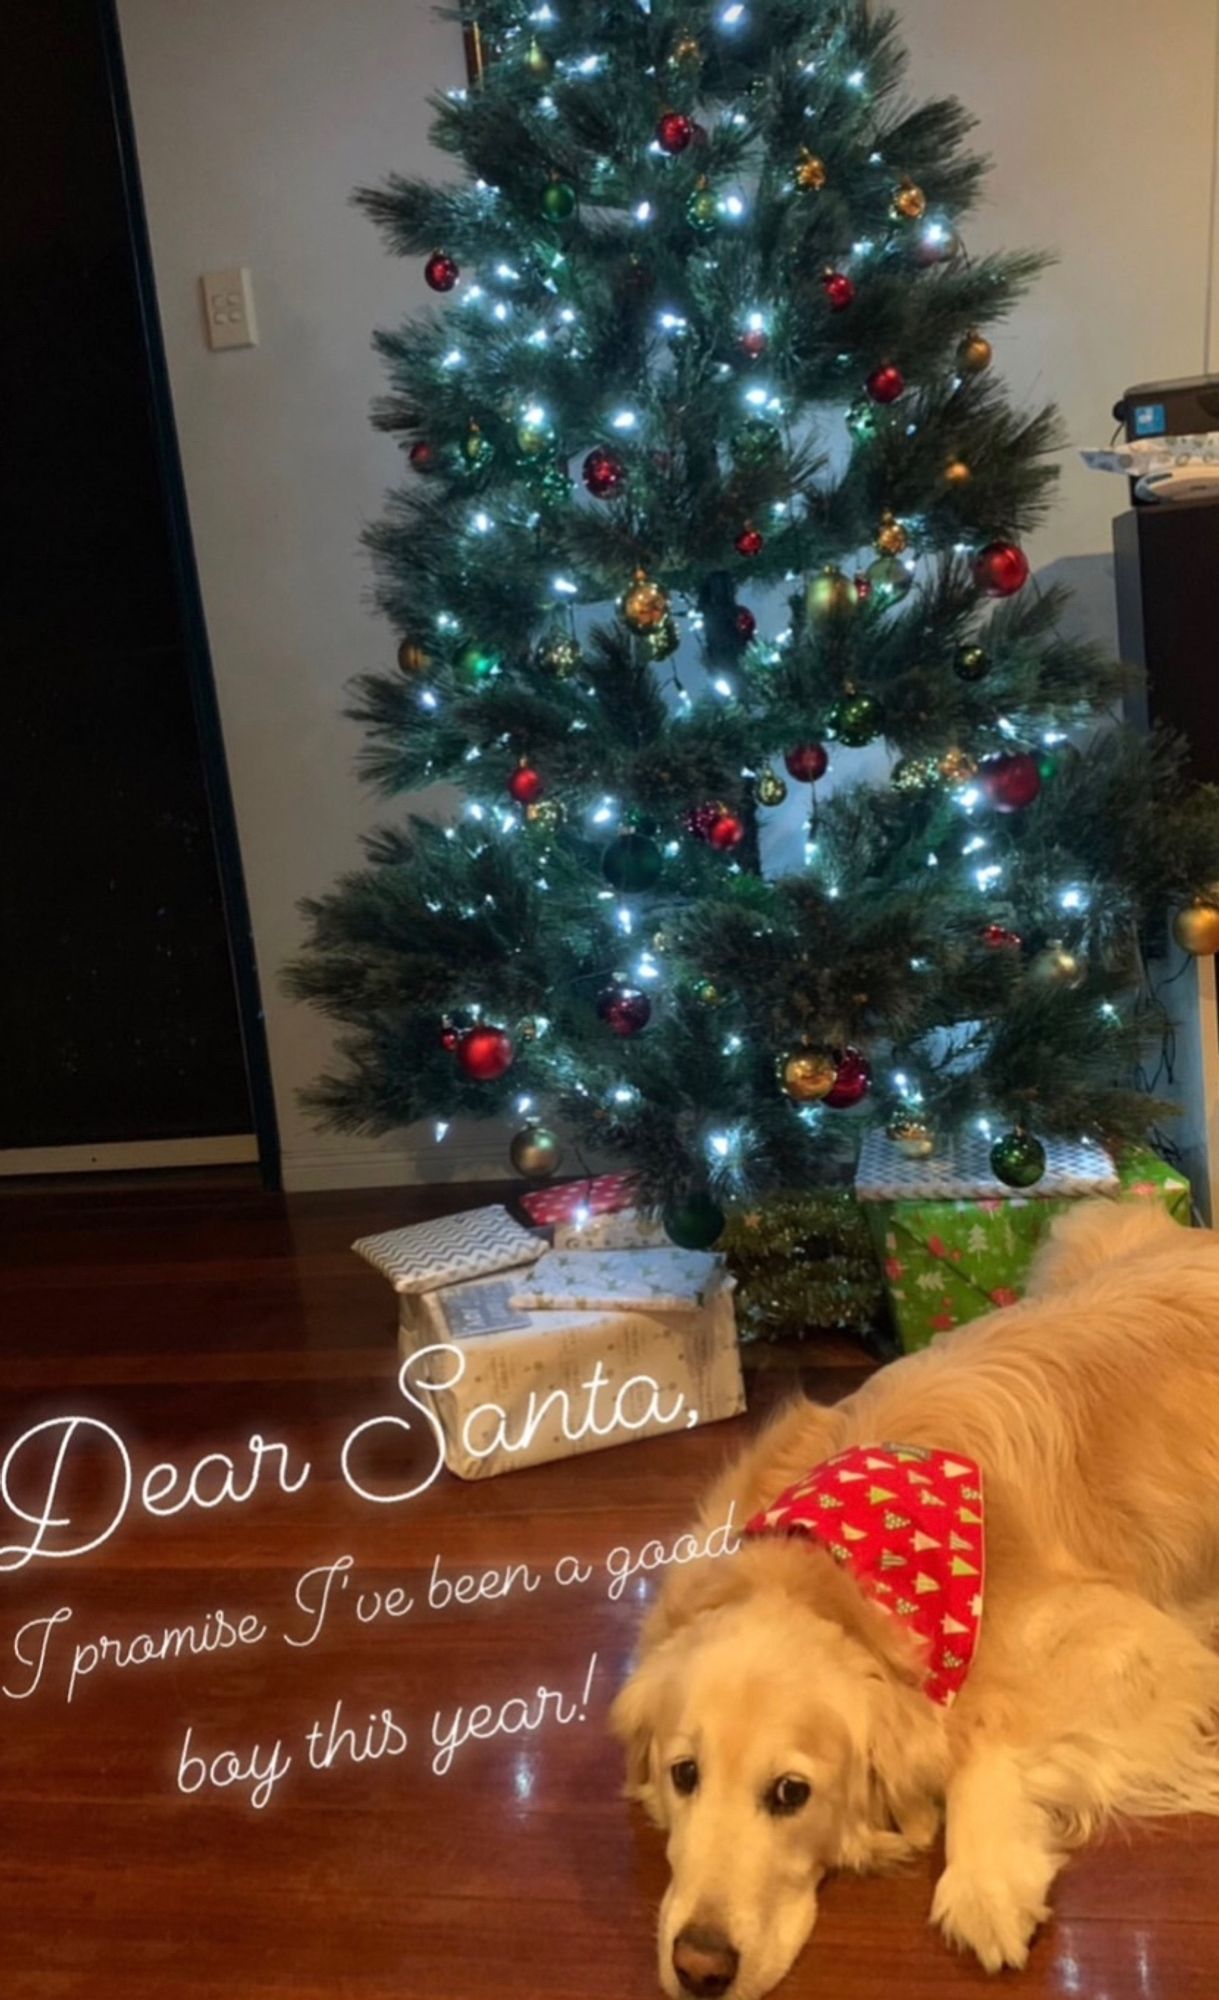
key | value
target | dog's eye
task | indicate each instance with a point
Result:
(788, 1795)
(685, 1776)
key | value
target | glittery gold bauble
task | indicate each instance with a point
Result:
(1196, 928)
(660, 942)
(478, 447)
(1056, 966)
(686, 51)
(909, 202)
(544, 814)
(664, 641)
(535, 1152)
(559, 655)
(912, 1135)
(411, 658)
(707, 993)
(957, 473)
(914, 774)
(537, 62)
(957, 767)
(771, 789)
(891, 537)
(808, 1075)
(975, 354)
(809, 172)
(645, 605)
(831, 595)
(527, 1029)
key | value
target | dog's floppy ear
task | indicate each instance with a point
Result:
(633, 1720)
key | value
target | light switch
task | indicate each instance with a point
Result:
(228, 308)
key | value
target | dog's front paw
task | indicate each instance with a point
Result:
(991, 1915)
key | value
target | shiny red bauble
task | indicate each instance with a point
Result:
(1011, 781)
(441, 271)
(754, 342)
(745, 622)
(840, 291)
(603, 472)
(485, 1054)
(449, 1037)
(808, 762)
(1001, 569)
(700, 819)
(998, 938)
(674, 132)
(726, 833)
(887, 384)
(526, 785)
(852, 1083)
(749, 542)
(624, 1009)
(421, 455)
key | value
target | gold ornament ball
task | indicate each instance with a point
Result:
(545, 815)
(707, 993)
(560, 656)
(831, 594)
(663, 641)
(771, 789)
(412, 659)
(808, 1075)
(1196, 928)
(891, 537)
(645, 605)
(914, 774)
(538, 62)
(1056, 966)
(912, 1135)
(975, 354)
(909, 203)
(686, 51)
(957, 473)
(809, 172)
(535, 1152)
(957, 767)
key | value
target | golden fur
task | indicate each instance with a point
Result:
(1093, 1409)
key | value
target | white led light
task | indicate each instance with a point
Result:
(563, 586)
(624, 420)
(723, 685)
(757, 397)
(1074, 899)
(625, 920)
(624, 1094)
(427, 699)
(720, 1144)
(567, 316)
(523, 1104)
(475, 292)
(733, 16)
(439, 1129)
(482, 523)
(984, 1127)
(975, 845)
(644, 212)
(733, 205)
(506, 271)
(453, 359)
(968, 799)
(987, 877)
(856, 79)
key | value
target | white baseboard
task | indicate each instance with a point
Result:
(477, 1155)
(130, 1156)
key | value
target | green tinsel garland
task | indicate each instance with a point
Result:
(803, 1262)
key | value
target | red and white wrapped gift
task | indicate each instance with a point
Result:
(597, 1213)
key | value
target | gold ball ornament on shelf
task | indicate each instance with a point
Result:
(807, 1076)
(535, 1152)
(645, 606)
(912, 1135)
(975, 354)
(909, 202)
(1196, 928)
(831, 594)
(957, 767)
(809, 172)
(891, 538)
(771, 789)
(1055, 966)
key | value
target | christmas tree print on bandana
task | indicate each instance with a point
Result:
(908, 1523)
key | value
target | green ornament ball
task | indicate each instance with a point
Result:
(972, 664)
(695, 1223)
(1018, 1160)
(889, 579)
(703, 211)
(756, 441)
(559, 201)
(855, 720)
(632, 863)
(475, 662)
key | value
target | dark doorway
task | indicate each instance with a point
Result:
(128, 1006)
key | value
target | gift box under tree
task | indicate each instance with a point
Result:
(954, 1243)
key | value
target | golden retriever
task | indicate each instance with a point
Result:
(776, 1726)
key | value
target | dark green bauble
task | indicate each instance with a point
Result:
(861, 422)
(1018, 1160)
(694, 1223)
(474, 661)
(664, 641)
(551, 484)
(756, 441)
(972, 663)
(559, 655)
(888, 579)
(632, 863)
(535, 1152)
(855, 720)
(703, 211)
(831, 594)
(559, 201)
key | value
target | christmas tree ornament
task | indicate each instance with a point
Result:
(1196, 928)
(852, 1083)
(770, 788)
(538, 63)
(1018, 1160)
(886, 384)
(475, 662)
(450, 1035)
(674, 132)
(535, 434)
(972, 663)
(937, 245)
(559, 655)
(861, 422)
(839, 290)
(891, 538)
(996, 937)
(478, 447)
(957, 473)
(855, 721)
(1011, 780)
(808, 762)
(700, 819)
(749, 542)
(756, 441)
(526, 785)
(559, 200)
(1057, 967)
(809, 172)
(912, 1135)
(528, 1028)
(645, 605)
(632, 863)
(703, 209)
(726, 832)
(745, 623)
(909, 203)
(912, 775)
(535, 1152)
(888, 580)
(422, 455)
(694, 1223)
(603, 473)
(624, 1009)
(686, 52)
(664, 641)
(485, 1054)
(863, 589)
(754, 342)
(830, 595)
(975, 354)
(808, 1075)
(441, 271)
(412, 659)
(957, 767)
(707, 993)
(544, 815)
(1001, 569)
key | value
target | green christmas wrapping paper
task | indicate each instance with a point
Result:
(948, 1262)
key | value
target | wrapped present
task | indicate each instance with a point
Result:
(512, 1385)
(668, 1280)
(425, 1255)
(955, 1244)
(594, 1214)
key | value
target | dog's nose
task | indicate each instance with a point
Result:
(704, 1961)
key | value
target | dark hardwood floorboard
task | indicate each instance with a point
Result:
(192, 1312)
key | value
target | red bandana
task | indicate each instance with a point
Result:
(908, 1523)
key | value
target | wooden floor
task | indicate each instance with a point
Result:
(188, 1317)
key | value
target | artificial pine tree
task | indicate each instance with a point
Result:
(711, 487)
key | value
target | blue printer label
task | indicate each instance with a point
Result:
(1150, 420)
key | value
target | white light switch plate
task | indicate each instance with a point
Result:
(228, 308)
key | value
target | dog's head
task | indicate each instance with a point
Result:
(771, 1742)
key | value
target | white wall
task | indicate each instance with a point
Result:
(255, 118)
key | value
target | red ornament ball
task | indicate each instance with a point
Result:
(700, 819)
(421, 455)
(526, 785)
(749, 542)
(485, 1054)
(839, 290)
(998, 938)
(852, 1083)
(887, 384)
(604, 473)
(441, 271)
(624, 1009)
(863, 586)
(745, 622)
(449, 1037)
(808, 762)
(726, 833)
(674, 132)
(1011, 781)
(754, 342)
(1001, 569)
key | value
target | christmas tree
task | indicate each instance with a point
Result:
(713, 518)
